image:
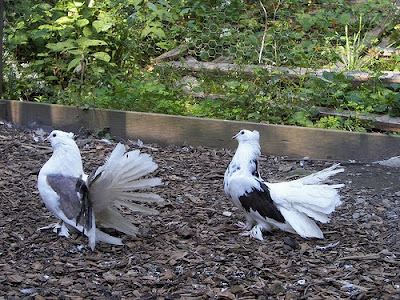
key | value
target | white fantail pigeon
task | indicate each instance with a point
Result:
(85, 202)
(289, 206)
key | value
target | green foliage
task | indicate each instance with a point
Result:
(97, 54)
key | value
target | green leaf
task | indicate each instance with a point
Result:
(145, 32)
(151, 6)
(306, 21)
(87, 31)
(158, 32)
(82, 23)
(61, 46)
(101, 25)
(78, 3)
(20, 25)
(44, 6)
(135, 2)
(65, 20)
(74, 63)
(102, 56)
(20, 38)
(76, 52)
(84, 42)
(345, 19)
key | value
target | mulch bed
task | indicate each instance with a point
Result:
(192, 249)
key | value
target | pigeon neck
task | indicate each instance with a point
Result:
(247, 153)
(67, 160)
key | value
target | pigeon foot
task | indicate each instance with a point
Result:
(255, 232)
(53, 226)
(56, 227)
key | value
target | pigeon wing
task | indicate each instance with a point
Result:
(74, 202)
(71, 190)
(65, 187)
(259, 200)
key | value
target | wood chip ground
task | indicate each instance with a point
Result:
(192, 249)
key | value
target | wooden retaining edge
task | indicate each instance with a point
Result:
(296, 142)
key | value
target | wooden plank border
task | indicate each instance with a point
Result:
(292, 141)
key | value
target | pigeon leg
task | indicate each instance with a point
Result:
(249, 223)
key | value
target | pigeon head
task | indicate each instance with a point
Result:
(245, 135)
(58, 138)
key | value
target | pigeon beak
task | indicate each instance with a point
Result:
(235, 136)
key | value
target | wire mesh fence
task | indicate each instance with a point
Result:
(275, 32)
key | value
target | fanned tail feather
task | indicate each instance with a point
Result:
(112, 218)
(106, 238)
(321, 176)
(307, 198)
(116, 184)
(302, 224)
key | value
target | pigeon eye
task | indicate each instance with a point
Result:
(242, 132)
(54, 134)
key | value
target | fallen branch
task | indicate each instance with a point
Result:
(173, 54)
(197, 66)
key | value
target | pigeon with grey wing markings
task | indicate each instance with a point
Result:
(290, 206)
(86, 202)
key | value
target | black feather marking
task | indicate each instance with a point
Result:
(261, 201)
(86, 204)
(255, 171)
(233, 169)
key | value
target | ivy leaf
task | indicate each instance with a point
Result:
(102, 56)
(74, 63)
(82, 23)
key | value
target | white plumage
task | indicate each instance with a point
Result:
(290, 206)
(85, 202)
